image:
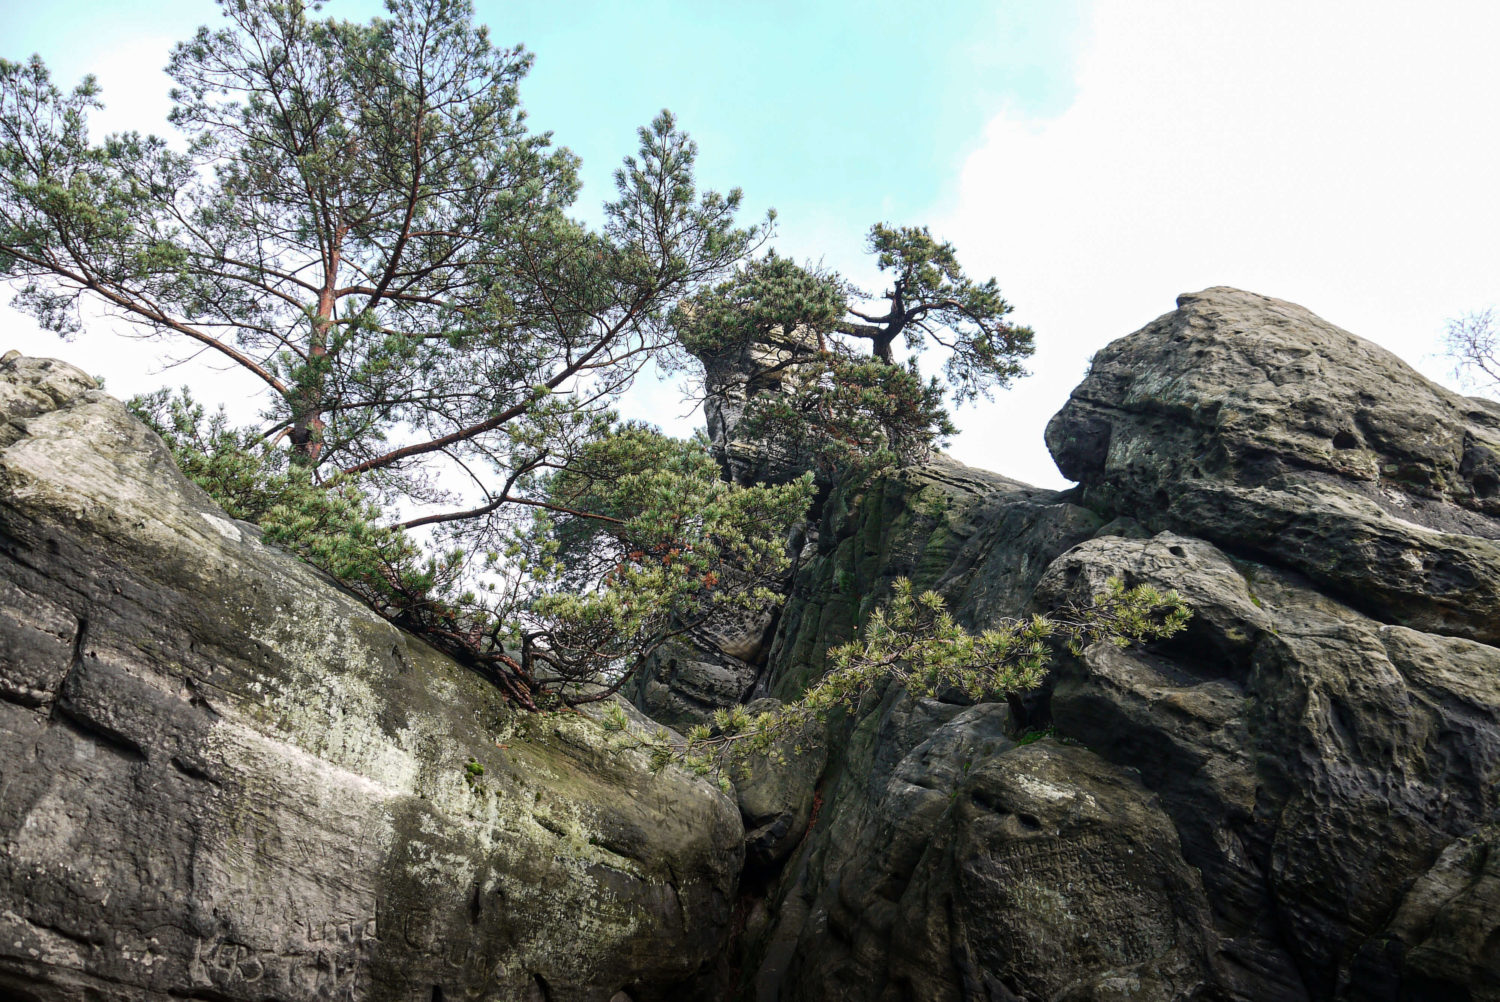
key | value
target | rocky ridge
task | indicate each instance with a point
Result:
(1298, 798)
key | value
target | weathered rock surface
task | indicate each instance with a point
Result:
(218, 771)
(970, 866)
(777, 792)
(684, 683)
(1296, 799)
(730, 380)
(223, 778)
(1316, 762)
(1250, 422)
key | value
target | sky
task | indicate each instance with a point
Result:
(1097, 158)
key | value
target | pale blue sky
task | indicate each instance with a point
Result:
(1098, 158)
(838, 114)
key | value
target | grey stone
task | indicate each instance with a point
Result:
(1252, 423)
(685, 682)
(975, 867)
(777, 791)
(1295, 799)
(1441, 941)
(1311, 768)
(222, 777)
(1315, 762)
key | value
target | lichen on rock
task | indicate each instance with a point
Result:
(224, 777)
(1311, 769)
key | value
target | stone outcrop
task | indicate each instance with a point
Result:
(1296, 799)
(217, 766)
(731, 378)
(724, 665)
(1250, 422)
(221, 777)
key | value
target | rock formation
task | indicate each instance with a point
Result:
(731, 379)
(1297, 799)
(223, 779)
(1253, 424)
(720, 667)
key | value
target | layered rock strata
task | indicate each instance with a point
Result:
(221, 777)
(1297, 799)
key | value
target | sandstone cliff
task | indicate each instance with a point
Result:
(1297, 799)
(223, 779)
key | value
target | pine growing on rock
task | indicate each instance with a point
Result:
(785, 340)
(363, 221)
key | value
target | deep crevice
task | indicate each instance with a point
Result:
(99, 734)
(80, 637)
(82, 723)
(194, 770)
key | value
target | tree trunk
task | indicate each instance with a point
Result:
(307, 412)
(307, 408)
(897, 321)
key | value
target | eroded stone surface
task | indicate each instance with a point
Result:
(1296, 799)
(222, 777)
(1254, 424)
(1310, 770)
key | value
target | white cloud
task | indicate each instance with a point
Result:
(1338, 155)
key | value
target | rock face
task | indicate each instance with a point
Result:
(1250, 422)
(223, 778)
(730, 379)
(1296, 799)
(721, 666)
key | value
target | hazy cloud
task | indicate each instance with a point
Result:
(1339, 155)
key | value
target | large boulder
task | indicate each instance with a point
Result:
(1295, 799)
(222, 777)
(937, 828)
(1252, 423)
(1316, 763)
(1327, 736)
(974, 867)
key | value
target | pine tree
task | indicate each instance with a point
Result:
(793, 337)
(363, 221)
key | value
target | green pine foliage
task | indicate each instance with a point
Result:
(852, 418)
(637, 542)
(815, 395)
(913, 641)
(932, 299)
(643, 542)
(766, 302)
(362, 220)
